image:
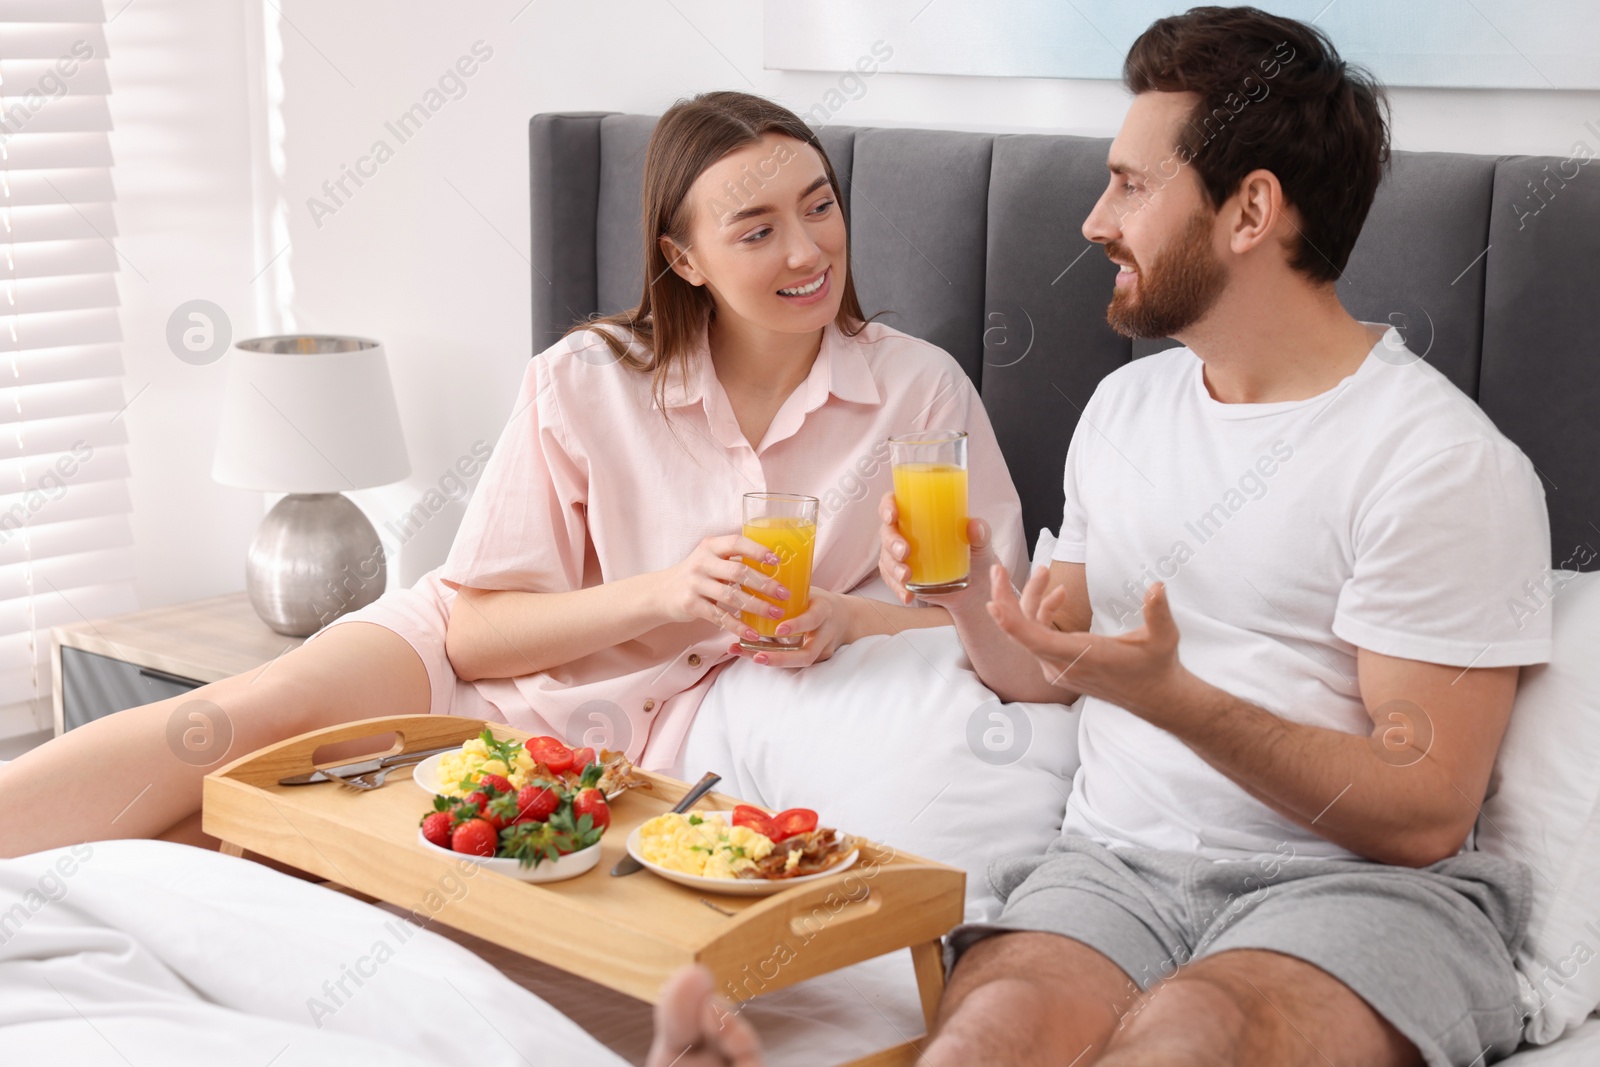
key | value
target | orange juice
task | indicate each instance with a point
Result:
(932, 501)
(792, 541)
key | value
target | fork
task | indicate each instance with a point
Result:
(361, 783)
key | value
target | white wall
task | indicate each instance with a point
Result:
(430, 254)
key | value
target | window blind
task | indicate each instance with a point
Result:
(66, 542)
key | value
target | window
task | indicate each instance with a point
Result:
(65, 536)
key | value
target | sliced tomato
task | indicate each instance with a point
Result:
(581, 758)
(551, 752)
(794, 821)
(755, 819)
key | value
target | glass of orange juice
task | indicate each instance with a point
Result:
(930, 494)
(787, 524)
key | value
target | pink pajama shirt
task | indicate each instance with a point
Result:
(591, 482)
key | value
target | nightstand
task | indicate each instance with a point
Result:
(109, 665)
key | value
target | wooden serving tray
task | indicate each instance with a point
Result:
(627, 933)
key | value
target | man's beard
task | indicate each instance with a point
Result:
(1174, 291)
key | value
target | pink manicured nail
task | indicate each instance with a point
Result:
(772, 560)
(783, 631)
(751, 635)
(761, 657)
(782, 593)
(776, 613)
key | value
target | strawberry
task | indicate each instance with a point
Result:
(500, 811)
(590, 801)
(578, 831)
(476, 799)
(495, 783)
(535, 803)
(477, 837)
(531, 843)
(436, 828)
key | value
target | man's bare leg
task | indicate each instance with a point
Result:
(1254, 1008)
(1029, 998)
(121, 776)
(696, 1029)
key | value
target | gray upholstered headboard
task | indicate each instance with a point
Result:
(973, 241)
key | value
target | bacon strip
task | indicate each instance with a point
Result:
(820, 850)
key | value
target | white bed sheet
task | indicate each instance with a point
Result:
(1580, 1048)
(152, 952)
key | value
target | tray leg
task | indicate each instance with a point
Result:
(228, 848)
(928, 959)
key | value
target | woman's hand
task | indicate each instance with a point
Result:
(826, 624)
(707, 585)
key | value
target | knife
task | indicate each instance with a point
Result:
(627, 864)
(346, 770)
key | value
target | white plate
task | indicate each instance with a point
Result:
(426, 775)
(736, 887)
(569, 866)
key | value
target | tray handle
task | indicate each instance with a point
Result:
(293, 755)
(866, 911)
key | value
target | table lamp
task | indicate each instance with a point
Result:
(313, 417)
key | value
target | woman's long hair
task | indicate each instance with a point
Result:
(691, 136)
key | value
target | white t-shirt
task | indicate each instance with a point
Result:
(1387, 513)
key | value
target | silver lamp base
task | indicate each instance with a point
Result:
(314, 558)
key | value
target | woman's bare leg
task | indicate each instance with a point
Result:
(138, 773)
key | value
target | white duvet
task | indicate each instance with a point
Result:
(151, 953)
(146, 952)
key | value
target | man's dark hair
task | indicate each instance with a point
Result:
(1274, 95)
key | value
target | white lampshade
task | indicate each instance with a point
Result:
(306, 414)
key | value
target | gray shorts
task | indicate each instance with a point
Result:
(1430, 950)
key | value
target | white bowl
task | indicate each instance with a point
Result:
(736, 887)
(426, 775)
(569, 866)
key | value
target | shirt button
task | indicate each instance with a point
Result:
(694, 659)
(649, 705)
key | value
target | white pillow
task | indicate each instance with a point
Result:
(896, 739)
(1542, 809)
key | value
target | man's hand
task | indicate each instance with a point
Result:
(1138, 670)
(893, 550)
(1411, 804)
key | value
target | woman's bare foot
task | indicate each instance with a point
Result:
(696, 1029)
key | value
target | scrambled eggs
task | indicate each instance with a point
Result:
(473, 759)
(708, 847)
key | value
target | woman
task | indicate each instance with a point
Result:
(595, 585)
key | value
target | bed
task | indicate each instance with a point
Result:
(972, 240)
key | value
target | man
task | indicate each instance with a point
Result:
(1280, 584)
